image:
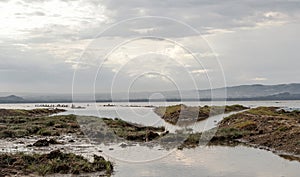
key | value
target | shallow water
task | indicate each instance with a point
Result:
(213, 161)
(142, 161)
(146, 116)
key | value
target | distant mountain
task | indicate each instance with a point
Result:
(280, 96)
(242, 92)
(251, 91)
(11, 99)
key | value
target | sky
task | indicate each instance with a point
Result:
(103, 45)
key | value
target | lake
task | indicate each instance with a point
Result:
(137, 161)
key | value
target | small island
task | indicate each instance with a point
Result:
(269, 128)
(182, 114)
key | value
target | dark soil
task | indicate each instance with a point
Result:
(45, 142)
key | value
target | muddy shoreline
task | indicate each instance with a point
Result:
(269, 128)
(184, 115)
(32, 143)
(34, 131)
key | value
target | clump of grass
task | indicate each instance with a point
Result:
(268, 111)
(169, 109)
(295, 113)
(41, 169)
(37, 124)
(33, 112)
(274, 111)
(44, 132)
(191, 141)
(6, 133)
(54, 162)
(230, 133)
(116, 130)
(183, 114)
(131, 131)
(248, 124)
(236, 107)
(283, 128)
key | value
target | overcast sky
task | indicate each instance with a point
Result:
(146, 45)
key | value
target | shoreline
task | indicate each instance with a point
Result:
(74, 134)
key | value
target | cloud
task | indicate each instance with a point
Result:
(144, 30)
(259, 79)
(63, 36)
(200, 71)
(219, 15)
(49, 18)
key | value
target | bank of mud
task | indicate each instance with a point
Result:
(269, 128)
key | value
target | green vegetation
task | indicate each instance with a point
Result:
(182, 114)
(224, 136)
(54, 162)
(33, 112)
(22, 123)
(191, 141)
(274, 111)
(267, 111)
(230, 133)
(265, 126)
(283, 128)
(20, 126)
(268, 127)
(244, 125)
(133, 132)
(109, 130)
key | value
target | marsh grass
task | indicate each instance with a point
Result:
(182, 114)
(21, 123)
(54, 162)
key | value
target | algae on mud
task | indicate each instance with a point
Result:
(182, 114)
(269, 127)
(32, 112)
(21, 123)
(38, 124)
(106, 130)
(266, 127)
(51, 163)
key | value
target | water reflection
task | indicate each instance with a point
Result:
(213, 161)
(146, 116)
(208, 161)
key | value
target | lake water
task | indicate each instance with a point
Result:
(214, 162)
(141, 161)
